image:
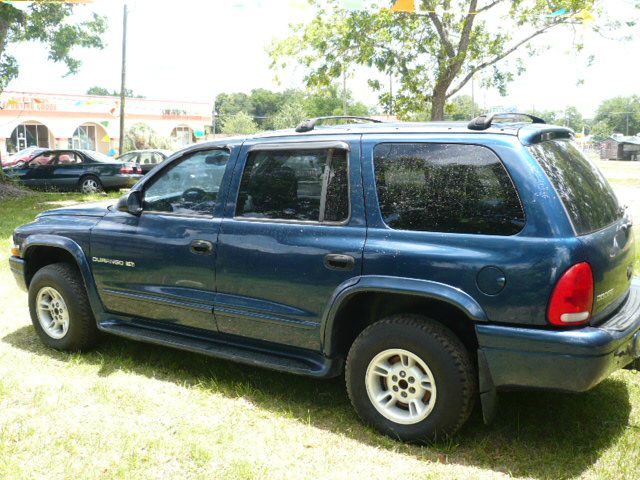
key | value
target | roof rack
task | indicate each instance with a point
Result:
(310, 124)
(483, 122)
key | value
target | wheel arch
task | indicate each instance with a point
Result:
(40, 250)
(370, 298)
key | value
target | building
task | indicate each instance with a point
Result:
(619, 147)
(92, 122)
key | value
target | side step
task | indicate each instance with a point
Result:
(300, 363)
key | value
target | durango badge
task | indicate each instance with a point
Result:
(112, 261)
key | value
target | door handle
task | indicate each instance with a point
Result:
(201, 247)
(337, 261)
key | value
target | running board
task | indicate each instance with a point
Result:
(307, 363)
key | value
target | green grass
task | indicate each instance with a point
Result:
(130, 410)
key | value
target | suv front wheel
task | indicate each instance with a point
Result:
(411, 378)
(60, 310)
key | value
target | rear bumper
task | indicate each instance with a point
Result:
(574, 360)
(17, 266)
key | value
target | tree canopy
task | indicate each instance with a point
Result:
(105, 92)
(434, 54)
(240, 123)
(47, 23)
(620, 115)
(275, 110)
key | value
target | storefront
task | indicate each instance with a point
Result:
(92, 122)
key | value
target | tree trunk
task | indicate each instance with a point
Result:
(438, 101)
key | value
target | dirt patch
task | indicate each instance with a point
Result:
(10, 190)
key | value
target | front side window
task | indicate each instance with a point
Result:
(190, 186)
(449, 188)
(586, 195)
(299, 185)
(44, 159)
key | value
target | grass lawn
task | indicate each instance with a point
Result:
(129, 410)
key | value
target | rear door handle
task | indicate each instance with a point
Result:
(201, 247)
(337, 261)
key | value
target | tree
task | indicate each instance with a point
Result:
(549, 116)
(286, 109)
(240, 123)
(290, 115)
(265, 105)
(45, 22)
(461, 108)
(601, 131)
(620, 114)
(229, 104)
(142, 137)
(328, 100)
(95, 90)
(572, 118)
(432, 55)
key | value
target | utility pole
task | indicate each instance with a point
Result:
(213, 117)
(344, 90)
(390, 94)
(122, 82)
(473, 97)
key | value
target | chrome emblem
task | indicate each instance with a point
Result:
(112, 261)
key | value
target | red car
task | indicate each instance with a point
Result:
(23, 156)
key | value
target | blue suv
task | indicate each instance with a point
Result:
(433, 264)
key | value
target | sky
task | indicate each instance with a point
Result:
(195, 49)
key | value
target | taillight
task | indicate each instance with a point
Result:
(572, 298)
(138, 170)
(126, 169)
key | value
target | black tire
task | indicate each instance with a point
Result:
(87, 180)
(446, 358)
(82, 332)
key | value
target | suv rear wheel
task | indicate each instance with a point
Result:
(411, 378)
(60, 310)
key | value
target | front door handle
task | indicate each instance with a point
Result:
(337, 261)
(201, 247)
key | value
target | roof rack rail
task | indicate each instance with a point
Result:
(310, 124)
(483, 122)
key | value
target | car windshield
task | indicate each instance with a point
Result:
(585, 193)
(25, 151)
(98, 157)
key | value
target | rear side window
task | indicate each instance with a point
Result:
(586, 195)
(450, 188)
(301, 185)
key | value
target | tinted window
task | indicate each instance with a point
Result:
(308, 185)
(189, 187)
(446, 188)
(586, 195)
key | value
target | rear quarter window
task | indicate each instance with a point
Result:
(449, 188)
(587, 196)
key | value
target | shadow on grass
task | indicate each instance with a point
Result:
(541, 435)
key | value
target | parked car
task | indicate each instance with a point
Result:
(431, 263)
(81, 170)
(22, 156)
(145, 159)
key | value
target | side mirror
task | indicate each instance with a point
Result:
(130, 203)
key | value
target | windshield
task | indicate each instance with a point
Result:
(586, 195)
(98, 157)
